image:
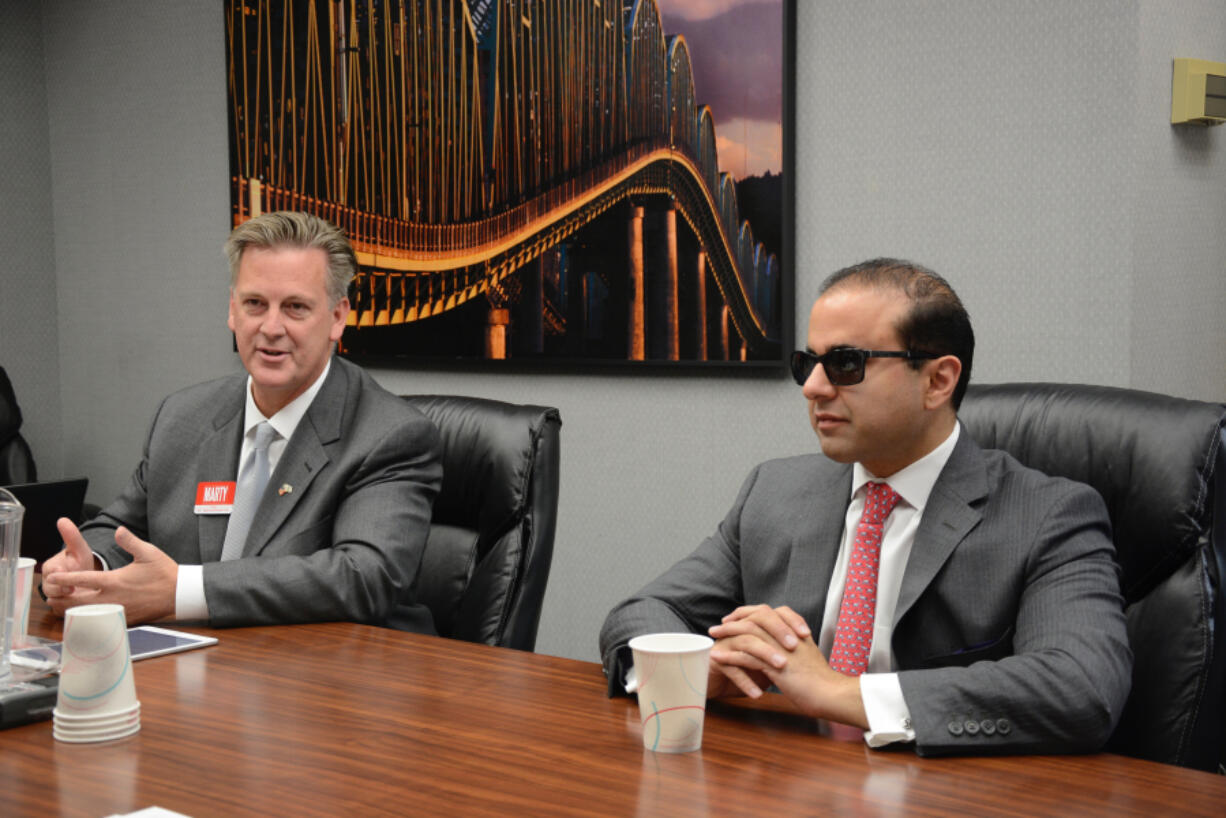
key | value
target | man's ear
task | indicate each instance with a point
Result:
(943, 374)
(340, 311)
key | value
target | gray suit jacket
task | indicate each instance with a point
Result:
(1009, 615)
(344, 543)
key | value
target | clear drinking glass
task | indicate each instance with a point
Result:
(11, 514)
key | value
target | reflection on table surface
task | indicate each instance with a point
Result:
(339, 719)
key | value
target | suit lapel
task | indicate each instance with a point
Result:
(949, 516)
(219, 461)
(816, 545)
(304, 456)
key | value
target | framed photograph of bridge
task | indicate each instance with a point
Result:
(532, 181)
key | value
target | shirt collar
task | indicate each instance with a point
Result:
(286, 420)
(914, 482)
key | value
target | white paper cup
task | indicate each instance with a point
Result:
(671, 673)
(109, 726)
(23, 583)
(70, 720)
(96, 671)
(82, 738)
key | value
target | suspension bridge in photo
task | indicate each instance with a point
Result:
(459, 144)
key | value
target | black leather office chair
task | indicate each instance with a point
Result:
(487, 558)
(16, 460)
(1158, 462)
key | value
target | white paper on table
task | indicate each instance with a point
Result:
(150, 812)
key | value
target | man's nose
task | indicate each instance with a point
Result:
(272, 325)
(817, 385)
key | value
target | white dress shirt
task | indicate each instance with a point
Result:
(889, 718)
(190, 604)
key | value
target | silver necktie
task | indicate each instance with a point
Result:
(251, 481)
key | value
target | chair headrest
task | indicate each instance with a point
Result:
(488, 449)
(1152, 457)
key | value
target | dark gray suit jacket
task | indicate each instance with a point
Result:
(344, 543)
(1009, 614)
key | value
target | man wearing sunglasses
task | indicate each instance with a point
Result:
(905, 582)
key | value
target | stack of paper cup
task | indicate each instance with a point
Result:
(97, 696)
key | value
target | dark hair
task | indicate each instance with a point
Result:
(937, 322)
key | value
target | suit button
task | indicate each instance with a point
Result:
(988, 727)
(971, 727)
(1004, 727)
(955, 728)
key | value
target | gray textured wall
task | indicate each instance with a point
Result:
(1178, 235)
(1021, 148)
(136, 102)
(29, 337)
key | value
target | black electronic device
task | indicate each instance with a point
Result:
(45, 503)
(28, 701)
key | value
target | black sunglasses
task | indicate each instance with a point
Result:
(845, 365)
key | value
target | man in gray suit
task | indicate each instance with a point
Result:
(334, 525)
(907, 583)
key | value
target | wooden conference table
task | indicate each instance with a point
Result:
(340, 719)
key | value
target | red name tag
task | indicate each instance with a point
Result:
(215, 498)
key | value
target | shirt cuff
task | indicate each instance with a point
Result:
(190, 604)
(631, 682)
(889, 718)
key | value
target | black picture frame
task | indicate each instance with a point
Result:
(486, 196)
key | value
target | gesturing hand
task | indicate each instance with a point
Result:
(76, 556)
(145, 587)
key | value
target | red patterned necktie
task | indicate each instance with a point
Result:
(853, 635)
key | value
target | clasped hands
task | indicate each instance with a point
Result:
(145, 586)
(757, 646)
